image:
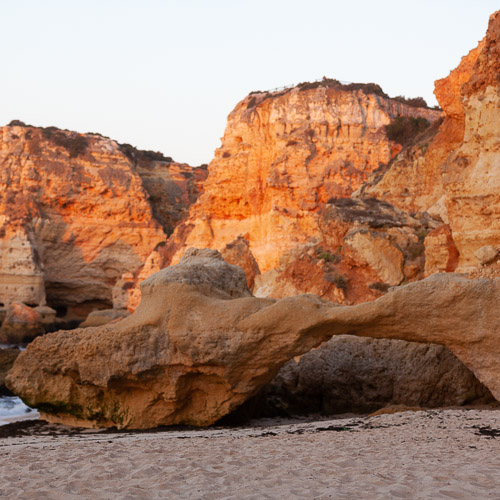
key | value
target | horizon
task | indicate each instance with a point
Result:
(165, 75)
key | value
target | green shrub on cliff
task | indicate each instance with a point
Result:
(404, 129)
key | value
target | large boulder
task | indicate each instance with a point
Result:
(22, 324)
(199, 344)
(180, 358)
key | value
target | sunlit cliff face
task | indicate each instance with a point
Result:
(456, 176)
(283, 156)
(74, 215)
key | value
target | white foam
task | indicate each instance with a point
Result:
(13, 409)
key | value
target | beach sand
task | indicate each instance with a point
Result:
(425, 454)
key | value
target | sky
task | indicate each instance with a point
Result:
(164, 74)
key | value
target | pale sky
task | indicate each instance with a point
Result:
(164, 74)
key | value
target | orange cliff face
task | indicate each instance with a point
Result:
(75, 214)
(283, 156)
(471, 176)
(456, 175)
(413, 181)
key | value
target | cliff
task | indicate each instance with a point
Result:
(78, 210)
(283, 156)
(456, 175)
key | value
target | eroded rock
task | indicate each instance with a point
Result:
(7, 358)
(21, 324)
(199, 344)
(357, 374)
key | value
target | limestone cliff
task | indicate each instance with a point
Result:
(456, 175)
(283, 156)
(78, 210)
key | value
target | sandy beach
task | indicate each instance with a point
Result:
(425, 454)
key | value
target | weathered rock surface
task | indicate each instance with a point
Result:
(78, 210)
(283, 156)
(104, 316)
(238, 253)
(199, 344)
(486, 255)
(366, 245)
(441, 254)
(456, 175)
(21, 324)
(354, 374)
(181, 358)
(7, 358)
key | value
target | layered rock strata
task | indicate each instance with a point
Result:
(366, 246)
(456, 175)
(199, 344)
(283, 156)
(78, 210)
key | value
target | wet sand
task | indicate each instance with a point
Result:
(424, 454)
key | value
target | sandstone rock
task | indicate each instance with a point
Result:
(7, 358)
(369, 248)
(441, 254)
(126, 292)
(472, 173)
(486, 255)
(457, 172)
(21, 274)
(414, 180)
(283, 156)
(354, 374)
(78, 210)
(47, 313)
(238, 253)
(22, 324)
(199, 344)
(104, 316)
(365, 246)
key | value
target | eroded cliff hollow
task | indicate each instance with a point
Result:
(283, 156)
(78, 210)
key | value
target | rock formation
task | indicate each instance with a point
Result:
(199, 344)
(283, 156)
(366, 245)
(456, 175)
(355, 374)
(288, 160)
(7, 358)
(78, 210)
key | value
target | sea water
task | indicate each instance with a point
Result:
(13, 409)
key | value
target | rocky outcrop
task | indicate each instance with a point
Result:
(354, 374)
(366, 246)
(21, 324)
(104, 316)
(78, 210)
(199, 344)
(283, 156)
(21, 274)
(181, 358)
(472, 174)
(238, 253)
(456, 175)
